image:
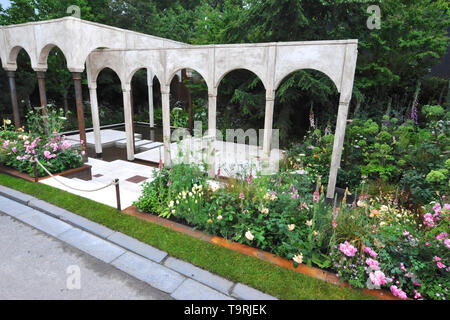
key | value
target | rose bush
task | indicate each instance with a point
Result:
(17, 147)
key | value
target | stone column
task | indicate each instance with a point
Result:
(165, 97)
(40, 75)
(268, 121)
(212, 113)
(80, 112)
(95, 119)
(150, 98)
(351, 54)
(128, 122)
(337, 147)
(14, 102)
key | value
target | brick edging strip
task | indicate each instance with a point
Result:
(257, 253)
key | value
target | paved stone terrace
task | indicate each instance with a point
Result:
(179, 279)
(131, 177)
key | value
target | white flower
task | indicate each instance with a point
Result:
(171, 204)
(309, 223)
(291, 227)
(298, 258)
(315, 233)
(249, 235)
(7, 121)
(219, 217)
(265, 210)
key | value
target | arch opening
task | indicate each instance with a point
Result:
(305, 99)
(188, 99)
(240, 92)
(146, 105)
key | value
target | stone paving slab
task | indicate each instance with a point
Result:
(43, 222)
(91, 244)
(15, 195)
(138, 143)
(65, 215)
(196, 273)
(193, 290)
(137, 246)
(150, 146)
(154, 274)
(107, 136)
(241, 291)
(12, 208)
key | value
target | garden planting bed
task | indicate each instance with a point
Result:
(257, 253)
(84, 173)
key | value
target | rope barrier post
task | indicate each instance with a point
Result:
(35, 170)
(116, 181)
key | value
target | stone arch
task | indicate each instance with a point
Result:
(177, 70)
(96, 73)
(45, 51)
(11, 61)
(326, 72)
(255, 72)
(130, 74)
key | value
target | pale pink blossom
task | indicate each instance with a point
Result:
(347, 249)
(378, 278)
(373, 264)
(372, 253)
(398, 292)
(48, 155)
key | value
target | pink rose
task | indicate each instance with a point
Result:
(373, 264)
(347, 249)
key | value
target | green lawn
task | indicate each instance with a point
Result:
(237, 267)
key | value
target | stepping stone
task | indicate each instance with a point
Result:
(137, 143)
(108, 137)
(150, 146)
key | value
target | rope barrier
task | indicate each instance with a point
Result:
(112, 183)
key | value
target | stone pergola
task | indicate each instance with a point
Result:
(99, 46)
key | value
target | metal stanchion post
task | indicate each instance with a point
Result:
(118, 194)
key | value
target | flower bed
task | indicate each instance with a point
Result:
(369, 244)
(18, 147)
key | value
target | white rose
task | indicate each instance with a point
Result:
(249, 235)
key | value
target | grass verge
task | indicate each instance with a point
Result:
(235, 266)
